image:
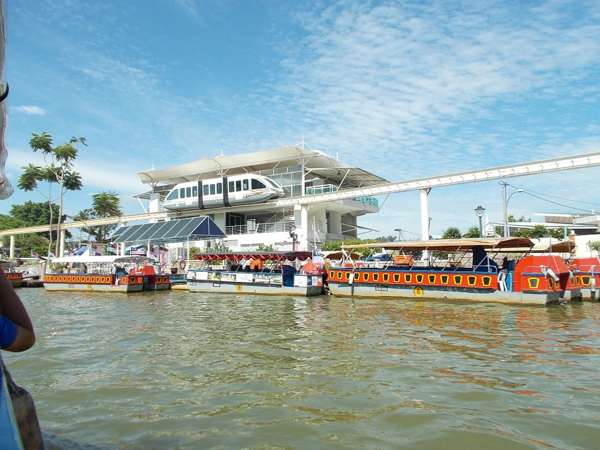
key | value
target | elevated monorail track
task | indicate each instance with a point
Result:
(474, 176)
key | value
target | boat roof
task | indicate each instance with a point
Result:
(103, 259)
(450, 244)
(236, 256)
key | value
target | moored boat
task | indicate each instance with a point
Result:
(15, 278)
(271, 273)
(526, 279)
(586, 272)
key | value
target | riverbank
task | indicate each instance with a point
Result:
(175, 369)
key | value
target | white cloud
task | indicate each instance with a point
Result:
(30, 109)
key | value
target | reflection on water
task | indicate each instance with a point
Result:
(180, 370)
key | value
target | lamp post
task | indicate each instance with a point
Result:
(479, 212)
(505, 201)
(399, 231)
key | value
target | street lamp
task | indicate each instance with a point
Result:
(399, 231)
(505, 201)
(479, 212)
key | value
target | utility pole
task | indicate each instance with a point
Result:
(504, 185)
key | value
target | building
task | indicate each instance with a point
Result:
(301, 172)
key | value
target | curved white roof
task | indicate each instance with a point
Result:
(239, 163)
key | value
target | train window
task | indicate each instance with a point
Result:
(181, 192)
(188, 192)
(257, 184)
(238, 186)
(212, 189)
(219, 188)
(245, 183)
(205, 189)
(231, 186)
(195, 191)
(173, 195)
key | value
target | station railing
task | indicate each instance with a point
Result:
(264, 227)
(330, 188)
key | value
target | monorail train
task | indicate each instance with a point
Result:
(224, 191)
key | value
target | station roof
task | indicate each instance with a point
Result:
(179, 230)
(238, 163)
(315, 161)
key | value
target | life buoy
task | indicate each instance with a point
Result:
(182, 264)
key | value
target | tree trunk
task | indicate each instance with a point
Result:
(58, 222)
(51, 223)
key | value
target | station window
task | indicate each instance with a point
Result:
(205, 189)
(173, 195)
(212, 189)
(219, 188)
(420, 277)
(431, 279)
(257, 184)
(396, 278)
(408, 278)
(245, 184)
(458, 279)
(238, 186)
(231, 186)
(444, 279)
(181, 192)
(486, 281)
(195, 191)
(533, 282)
(188, 192)
(386, 277)
(471, 280)
(375, 277)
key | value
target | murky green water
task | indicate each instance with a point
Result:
(180, 370)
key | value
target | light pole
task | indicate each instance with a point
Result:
(505, 201)
(479, 212)
(399, 231)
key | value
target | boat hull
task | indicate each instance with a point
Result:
(247, 288)
(424, 292)
(124, 288)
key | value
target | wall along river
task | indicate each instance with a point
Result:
(181, 370)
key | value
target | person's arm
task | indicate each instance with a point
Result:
(13, 310)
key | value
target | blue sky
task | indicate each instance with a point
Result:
(404, 89)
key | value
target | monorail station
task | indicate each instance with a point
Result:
(240, 193)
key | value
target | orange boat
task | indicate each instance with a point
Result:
(526, 279)
(15, 278)
(587, 275)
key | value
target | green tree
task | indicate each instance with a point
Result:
(57, 169)
(104, 204)
(35, 213)
(595, 246)
(472, 232)
(452, 233)
(26, 243)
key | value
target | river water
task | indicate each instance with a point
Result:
(182, 370)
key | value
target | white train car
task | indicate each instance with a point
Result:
(223, 191)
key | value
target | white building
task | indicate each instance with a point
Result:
(301, 172)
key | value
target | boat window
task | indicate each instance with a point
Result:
(212, 189)
(471, 280)
(431, 279)
(486, 281)
(195, 191)
(375, 277)
(346, 276)
(219, 188)
(458, 279)
(238, 186)
(408, 277)
(420, 277)
(231, 186)
(173, 195)
(257, 184)
(396, 278)
(444, 279)
(188, 192)
(245, 183)
(386, 277)
(181, 192)
(585, 281)
(533, 283)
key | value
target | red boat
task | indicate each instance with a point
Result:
(523, 279)
(587, 276)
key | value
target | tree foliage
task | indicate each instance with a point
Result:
(104, 204)
(472, 232)
(595, 246)
(452, 233)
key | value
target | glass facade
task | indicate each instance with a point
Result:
(289, 177)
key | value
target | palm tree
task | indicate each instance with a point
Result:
(105, 204)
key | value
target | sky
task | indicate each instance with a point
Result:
(402, 89)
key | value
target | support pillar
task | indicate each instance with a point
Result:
(121, 248)
(148, 250)
(11, 253)
(301, 223)
(424, 197)
(61, 245)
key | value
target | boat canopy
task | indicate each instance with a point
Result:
(178, 230)
(450, 244)
(338, 254)
(108, 259)
(273, 256)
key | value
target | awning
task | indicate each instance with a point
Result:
(347, 177)
(179, 230)
(450, 244)
(238, 256)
